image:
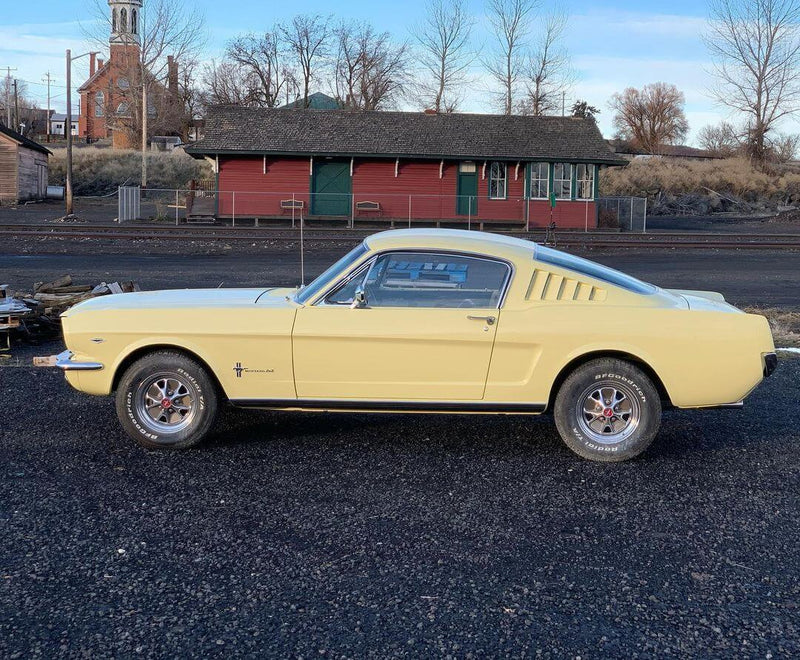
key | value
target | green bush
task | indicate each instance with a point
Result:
(101, 171)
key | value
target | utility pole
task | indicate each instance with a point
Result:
(8, 96)
(68, 187)
(143, 55)
(48, 80)
(16, 126)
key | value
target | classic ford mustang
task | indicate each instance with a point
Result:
(427, 320)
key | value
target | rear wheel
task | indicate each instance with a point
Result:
(608, 410)
(166, 400)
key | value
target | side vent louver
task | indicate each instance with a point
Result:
(549, 286)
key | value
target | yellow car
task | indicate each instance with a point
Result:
(427, 320)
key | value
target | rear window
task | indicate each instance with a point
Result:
(591, 269)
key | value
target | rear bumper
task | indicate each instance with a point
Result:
(770, 361)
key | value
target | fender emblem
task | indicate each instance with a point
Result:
(239, 369)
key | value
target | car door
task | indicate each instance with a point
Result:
(406, 326)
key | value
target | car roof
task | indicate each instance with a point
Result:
(460, 240)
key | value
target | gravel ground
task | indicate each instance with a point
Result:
(377, 535)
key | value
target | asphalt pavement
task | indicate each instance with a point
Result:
(326, 535)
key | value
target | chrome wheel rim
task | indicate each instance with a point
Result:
(165, 403)
(608, 412)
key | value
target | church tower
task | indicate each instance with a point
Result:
(126, 24)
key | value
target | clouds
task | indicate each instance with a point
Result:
(34, 48)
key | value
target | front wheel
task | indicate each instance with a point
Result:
(166, 400)
(607, 410)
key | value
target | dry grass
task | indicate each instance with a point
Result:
(785, 324)
(725, 185)
(99, 171)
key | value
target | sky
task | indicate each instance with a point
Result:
(613, 44)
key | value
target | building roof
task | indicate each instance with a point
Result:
(316, 101)
(23, 141)
(232, 130)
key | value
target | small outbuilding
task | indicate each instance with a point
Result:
(404, 166)
(23, 167)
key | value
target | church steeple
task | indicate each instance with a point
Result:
(125, 21)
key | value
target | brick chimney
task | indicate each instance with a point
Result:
(99, 63)
(92, 63)
(172, 74)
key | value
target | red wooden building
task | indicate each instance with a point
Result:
(404, 166)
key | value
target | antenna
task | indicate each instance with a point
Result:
(302, 256)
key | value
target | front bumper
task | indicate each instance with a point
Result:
(65, 362)
(770, 361)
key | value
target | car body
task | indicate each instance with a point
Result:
(430, 320)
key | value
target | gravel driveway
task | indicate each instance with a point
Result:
(376, 535)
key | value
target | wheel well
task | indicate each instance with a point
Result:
(620, 355)
(153, 348)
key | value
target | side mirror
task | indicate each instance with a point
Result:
(359, 300)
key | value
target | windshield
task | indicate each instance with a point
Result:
(320, 283)
(592, 269)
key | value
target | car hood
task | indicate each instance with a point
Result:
(187, 298)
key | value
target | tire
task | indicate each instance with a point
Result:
(182, 384)
(626, 423)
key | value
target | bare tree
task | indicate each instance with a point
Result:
(756, 49)
(510, 24)
(548, 73)
(443, 44)
(783, 148)
(308, 40)
(650, 117)
(261, 55)
(721, 140)
(370, 72)
(228, 83)
(26, 117)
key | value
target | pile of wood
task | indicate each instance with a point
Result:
(59, 295)
(36, 315)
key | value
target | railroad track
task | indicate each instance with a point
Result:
(567, 239)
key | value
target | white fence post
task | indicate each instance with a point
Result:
(469, 212)
(233, 208)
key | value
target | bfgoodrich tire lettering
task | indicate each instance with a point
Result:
(607, 410)
(166, 400)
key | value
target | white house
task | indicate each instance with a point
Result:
(58, 121)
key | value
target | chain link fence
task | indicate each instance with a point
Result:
(627, 213)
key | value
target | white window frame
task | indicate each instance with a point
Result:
(498, 179)
(546, 180)
(557, 181)
(99, 104)
(587, 179)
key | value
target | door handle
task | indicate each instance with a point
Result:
(489, 319)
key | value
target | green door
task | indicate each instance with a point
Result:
(467, 188)
(331, 188)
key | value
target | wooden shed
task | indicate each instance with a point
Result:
(23, 167)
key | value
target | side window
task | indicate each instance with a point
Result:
(408, 279)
